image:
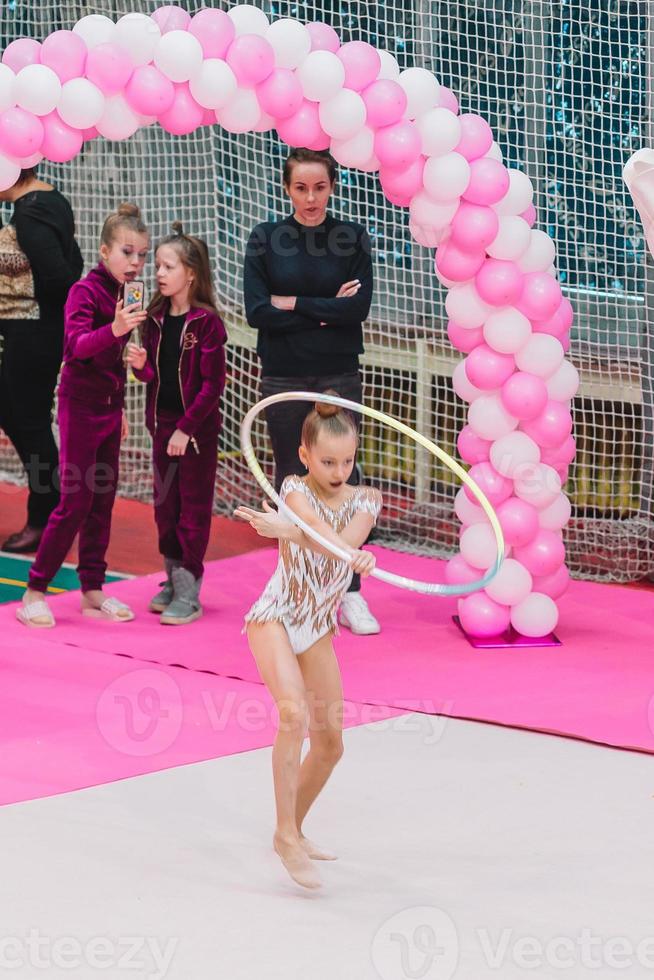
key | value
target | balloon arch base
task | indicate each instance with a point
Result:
(510, 638)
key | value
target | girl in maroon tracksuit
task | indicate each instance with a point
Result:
(91, 422)
(183, 363)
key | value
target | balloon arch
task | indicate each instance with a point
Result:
(505, 306)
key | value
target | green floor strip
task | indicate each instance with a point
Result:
(14, 571)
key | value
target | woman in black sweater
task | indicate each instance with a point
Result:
(39, 262)
(308, 286)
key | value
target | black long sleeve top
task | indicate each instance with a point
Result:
(45, 230)
(286, 258)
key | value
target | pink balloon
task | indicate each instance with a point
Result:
(361, 62)
(529, 215)
(560, 456)
(214, 30)
(559, 322)
(20, 53)
(397, 146)
(90, 134)
(524, 395)
(171, 18)
(543, 554)
(21, 133)
(303, 128)
(474, 227)
(459, 572)
(64, 52)
(447, 99)
(541, 296)
(486, 369)
(109, 67)
(209, 118)
(184, 115)
(481, 616)
(489, 181)
(385, 102)
(496, 487)
(323, 37)
(499, 282)
(519, 521)
(60, 142)
(400, 186)
(280, 94)
(565, 342)
(551, 427)
(251, 58)
(554, 584)
(149, 92)
(476, 136)
(472, 449)
(464, 340)
(456, 264)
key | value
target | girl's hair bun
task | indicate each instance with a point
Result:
(128, 210)
(326, 411)
(178, 228)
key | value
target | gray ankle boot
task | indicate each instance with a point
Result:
(185, 606)
(162, 600)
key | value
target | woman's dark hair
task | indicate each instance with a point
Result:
(27, 174)
(302, 155)
(194, 254)
(328, 418)
(127, 216)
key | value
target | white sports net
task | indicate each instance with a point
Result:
(566, 89)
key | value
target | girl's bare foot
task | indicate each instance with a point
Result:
(315, 852)
(296, 861)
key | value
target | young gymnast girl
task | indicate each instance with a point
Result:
(91, 422)
(290, 627)
(183, 363)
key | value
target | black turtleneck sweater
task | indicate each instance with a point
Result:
(286, 258)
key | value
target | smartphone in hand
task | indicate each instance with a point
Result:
(134, 294)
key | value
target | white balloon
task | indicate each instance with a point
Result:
(81, 104)
(478, 545)
(507, 330)
(541, 355)
(536, 615)
(467, 512)
(519, 195)
(343, 115)
(31, 161)
(489, 419)
(7, 79)
(462, 386)
(430, 237)
(557, 514)
(265, 124)
(37, 89)
(178, 55)
(537, 483)
(430, 220)
(321, 75)
(440, 131)
(446, 177)
(356, 151)
(511, 584)
(512, 239)
(494, 153)
(464, 305)
(9, 172)
(139, 35)
(95, 29)
(242, 113)
(248, 19)
(214, 84)
(389, 66)
(512, 451)
(291, 42)
(421, 89)
(564, 383)
(119, 121)
(540, 254)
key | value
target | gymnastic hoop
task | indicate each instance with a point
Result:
(401, 581)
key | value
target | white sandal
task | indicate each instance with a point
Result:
(110, 609)
(33, 611)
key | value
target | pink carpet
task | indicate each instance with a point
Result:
(598, 686)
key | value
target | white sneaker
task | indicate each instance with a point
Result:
(354, 614)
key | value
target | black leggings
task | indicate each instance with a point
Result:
(285, 422)
(31, 358)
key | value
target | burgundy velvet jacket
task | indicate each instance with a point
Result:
(93, 369)
(201, 371)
